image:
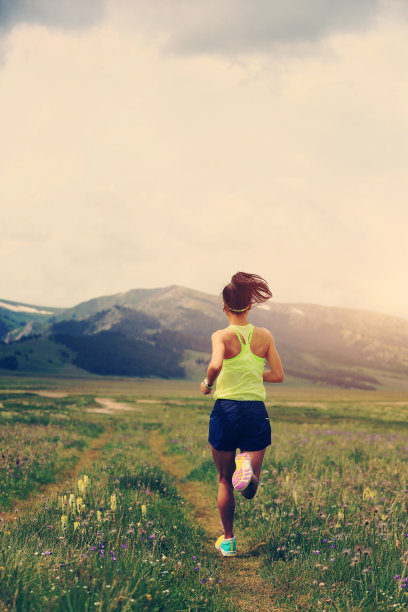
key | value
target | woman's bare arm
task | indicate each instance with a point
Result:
(275, 373)
(215, 365)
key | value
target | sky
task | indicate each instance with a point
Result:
(147, 143)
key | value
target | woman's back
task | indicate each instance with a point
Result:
(259, 343)
(241, 377)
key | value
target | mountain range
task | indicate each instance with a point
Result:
(166, 332)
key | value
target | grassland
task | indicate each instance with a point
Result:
(108, 501)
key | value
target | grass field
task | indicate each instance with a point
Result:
(108, 501)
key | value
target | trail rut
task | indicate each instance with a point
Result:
(90, 454)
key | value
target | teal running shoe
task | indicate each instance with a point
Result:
(226, 547)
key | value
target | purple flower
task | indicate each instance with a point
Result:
(114, 558)
(93, 547)
(219, 580)
(316, 552)
(197, 568)
(202, 580)
(61, 565)
(396, 577)
(325, 540)
(124, 545)
(331, 560)
(403, 585)
(151, 537)
(333, 546)
(194, 557)
(100, 532)
(48, 552)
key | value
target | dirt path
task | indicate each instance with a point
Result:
(108, 406)
(241, 575)
(89, 456)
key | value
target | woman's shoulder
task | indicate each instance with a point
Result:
(221, 333)
(262, 332)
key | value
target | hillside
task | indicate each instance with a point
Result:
(128, 333)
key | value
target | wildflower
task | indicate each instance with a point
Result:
(64, 520)
(331, 560)
(148, 597)
(113, 504)
(316, 552)
(369, 493)
(48, 552)
(86, 480)
(79, 503)
(71, 501)
(202, 580)
(396, 577)
(151, 537)
(124, 545)
(76, 524)
(81, 486)
(143, 510)
(98, 516)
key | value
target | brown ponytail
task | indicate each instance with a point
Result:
(245, 290)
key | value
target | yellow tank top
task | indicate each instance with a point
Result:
(241, 377)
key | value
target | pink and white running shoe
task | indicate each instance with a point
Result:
(243, 473)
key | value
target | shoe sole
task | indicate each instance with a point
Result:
(226, 553)
(243, 474)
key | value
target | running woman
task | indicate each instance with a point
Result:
(239, 418)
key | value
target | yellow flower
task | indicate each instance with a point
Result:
(86, 480)
(72, 501)
(369, 493)
(64, 520)
(76, 524)
(113, 502)
(143, 510)
(340, 515)
(98, 516)
(148, 597)
(81, 486)
(295, 496)
(79, 503)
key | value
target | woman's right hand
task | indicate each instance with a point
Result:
(205, 390)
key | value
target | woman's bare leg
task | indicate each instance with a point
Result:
(225, 462)
(256, 461)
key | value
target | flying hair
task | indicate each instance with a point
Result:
(245, 290)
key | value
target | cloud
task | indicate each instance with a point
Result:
(65, 14)
(241, 26)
